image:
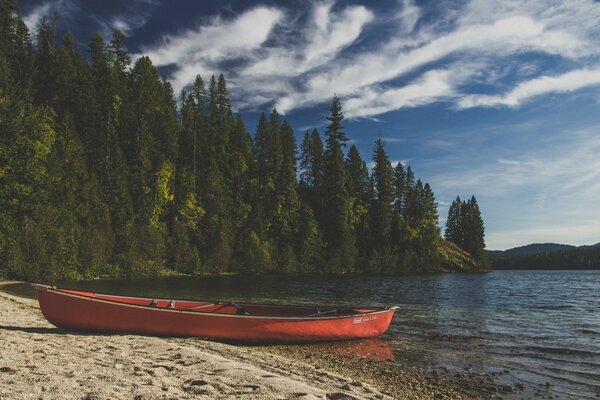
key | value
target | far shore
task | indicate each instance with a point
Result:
(40, 361)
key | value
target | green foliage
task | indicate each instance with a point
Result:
(464, 227)
(102, 176)
(583, 257)
(453, 258)
(381, 211)
(335, 205)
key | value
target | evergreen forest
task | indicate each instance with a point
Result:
(105, 171)
(584, 257)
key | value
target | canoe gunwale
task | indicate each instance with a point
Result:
(323, 317)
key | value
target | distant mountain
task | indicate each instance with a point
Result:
(547, 256)
(592, 245)
(534, 248)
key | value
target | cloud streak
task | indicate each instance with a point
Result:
(198, 51)
(567, 82)
(297, 58)
(547, 193)
(64, 8)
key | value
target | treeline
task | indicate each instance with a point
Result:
(104, 173)
(587, 257)
(464, 227)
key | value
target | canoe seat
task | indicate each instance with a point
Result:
(240, 310)
(319, 312)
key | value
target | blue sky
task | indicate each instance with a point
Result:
(500, 99)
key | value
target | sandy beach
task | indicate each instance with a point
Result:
(39, 361)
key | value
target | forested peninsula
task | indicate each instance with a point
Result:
(104, 172)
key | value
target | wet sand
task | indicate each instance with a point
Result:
(39, 361)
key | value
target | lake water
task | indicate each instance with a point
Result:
(537, 328)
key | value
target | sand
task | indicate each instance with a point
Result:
(40, 361)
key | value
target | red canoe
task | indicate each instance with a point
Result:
(71, 309)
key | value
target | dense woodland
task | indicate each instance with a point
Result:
(104, 172)
(584, 257)
(464, 227)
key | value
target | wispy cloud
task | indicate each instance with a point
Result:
(125, 23)
(409, 15)
(129, 17)
(378, 58)
(547, 193)
(198, 51)
(321, 41)
(35, 16)
(567, 82)
(433, 86)
(64, 8)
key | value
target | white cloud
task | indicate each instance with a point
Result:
(134, 17)
(567, 82)
(501, 38)
(286, 57)
(195, 50)
(64, 8)
(35, 16)
(394, 163)
(409, 16)
(127, 24)
(333, 33)
(433, 86)
(322, 41)
(392, 139)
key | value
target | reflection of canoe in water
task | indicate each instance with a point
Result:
(72, 309)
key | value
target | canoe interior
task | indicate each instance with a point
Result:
(212, 307)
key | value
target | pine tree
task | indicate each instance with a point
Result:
(318, 159)
(45, 63)
(359, 184)
(264, 184)
(16, 50)
(399, 188)
(454, 224)
(360, 190)
(381, 215)
(28, 135)
(287, 204)
(429, 205)
(335, 118)
(411, 200)
(428, 232)
(305, 166)
(311, 170)
(464, 227)
(85, 239)
(336, 210)
(122, 60)
(473, 229)
(310, 245)
(100, 135)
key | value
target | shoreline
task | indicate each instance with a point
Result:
(42, 361)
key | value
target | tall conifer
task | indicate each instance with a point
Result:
(337, 223)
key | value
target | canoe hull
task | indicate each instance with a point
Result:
(76, 312)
